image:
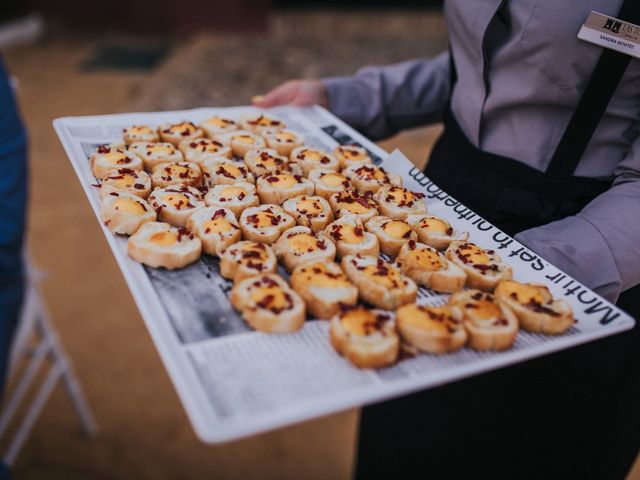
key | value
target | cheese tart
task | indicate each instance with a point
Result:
(265, 223)
(217, 228)
(123, 212)
(309, 211)
(136, 182)
(236, 197)
(154, 154)
(369, 178)
(367, 338)
(490, 325)
(260, 123)
(430, 268)
(379, 283)
(300, 244)
(351, 238)
(398, 202)
(348, 155)
(431, 329)
(139, 133)
(175, 204)
(535, 307)
(353, 203)
(201, 149)
(309, 158)
(484, 268)
(217, 125)
(241, 142)
(174, 133)
(262, 161)
(223, 172)
(329, 182)
(284, 141)
(181, 173)
(324, 288)
(247, 259)
(277, 187)
(159, 244)
(392, 234)
(435, 231)
(107, 158)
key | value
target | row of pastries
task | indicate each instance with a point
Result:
(252, 193)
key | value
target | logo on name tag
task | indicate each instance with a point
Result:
(612, 33)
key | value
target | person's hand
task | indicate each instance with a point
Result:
(300, 93)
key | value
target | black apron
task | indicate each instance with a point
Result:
(572, 414)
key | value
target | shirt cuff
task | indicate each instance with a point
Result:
(346, 99)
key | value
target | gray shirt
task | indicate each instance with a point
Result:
(521, 72)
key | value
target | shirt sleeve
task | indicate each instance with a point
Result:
(600, 246)
(380, 101)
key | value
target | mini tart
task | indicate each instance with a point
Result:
(265, 223)
(158, 244)
(265, 160)
(309, 211)
(328, 182)
(398, 202)
(535, 307)
(428, 267)
(309, 158)
(369, 178)
(197, 151)
(379, 283)
(153, 154)
(123, 212)
(490, 325)
(352, 203)
(217, 228)
(268, 304)
(324, 288)
(431, 329)
(278, 187)
(435, 231)
(175, 133)
(136, 182)
(350, 237)
(299, 245)
(261, 124)
(176, 203)
(392, 234)
(223, 172)
(247, 259)
(348, 155)
(218, 125)
(484, 268)
(241, 142)
(139, 133)
(367, 338)
(181, 173)
(236, 197)
(106, 158)
(284, 141)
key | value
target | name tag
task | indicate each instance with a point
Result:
(611, 33)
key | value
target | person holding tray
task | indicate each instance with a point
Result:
(541, 139)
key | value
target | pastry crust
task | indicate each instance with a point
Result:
(309, 158)
(398, 202)
(107, 158)
(277, 187)
(123, 212)
(434, 330)
(175, 204)
(369, 178)
(154, 154)
(263, 161)
(490, 325)
(324, 288)
(535, 307)
(224, 172)
(329, 182)
(265, 223)
(158, 244)
(261, 124)
(247, 259)
(350, 237)
(174, 133)
(352, 203)
(484, 268)
(284, 141)
(309, 211)
(391, 234)
(435, 231)
(268, 304)
(197, 151)
(379, 283)
(183, 173)
(217, 125)
(236, 197)
(241, 142)
(139, 133)
(430, 268)
(217, 228)
(367, 338)
(299, 245)
(135, 182)
(349, 155)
